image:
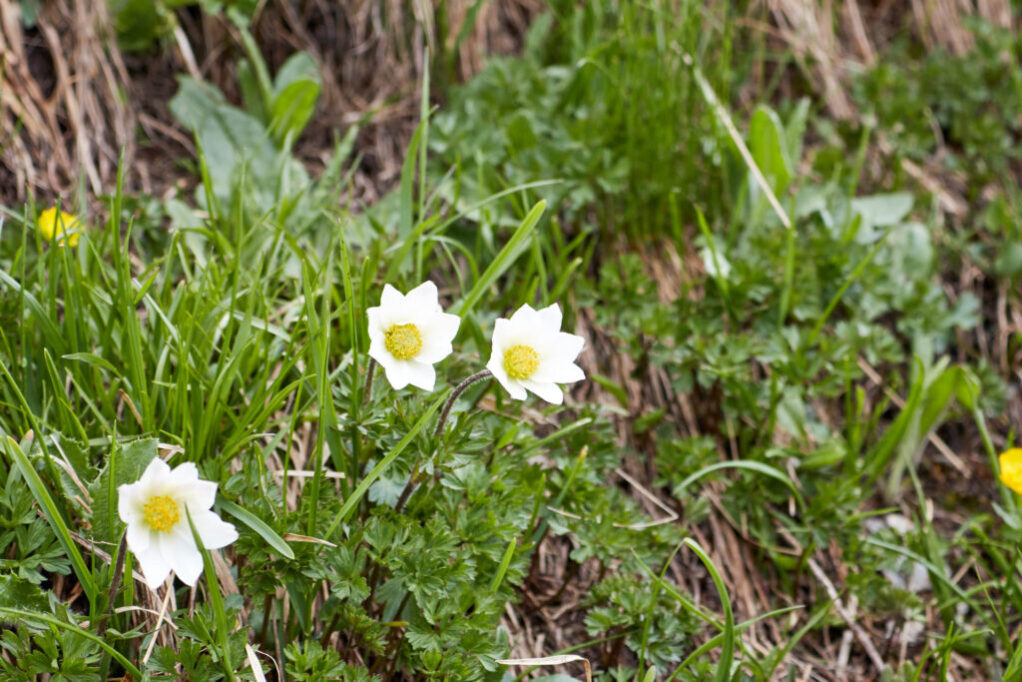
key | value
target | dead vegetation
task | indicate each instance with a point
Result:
(72, 100)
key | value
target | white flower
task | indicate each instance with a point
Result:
(156, 509)
(530, 352)
(408, 333)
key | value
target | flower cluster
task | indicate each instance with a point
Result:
(409, 333)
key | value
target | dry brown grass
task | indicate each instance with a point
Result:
(71, 100)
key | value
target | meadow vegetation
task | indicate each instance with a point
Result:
(797, 283)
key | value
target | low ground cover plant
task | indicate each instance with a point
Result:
(631, 375)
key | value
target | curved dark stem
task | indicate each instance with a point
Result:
(414, 479)
(115, 582)
(458, 390)
(367, 392)
(406, 493)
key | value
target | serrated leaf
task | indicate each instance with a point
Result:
(125, 465)
(18, 593)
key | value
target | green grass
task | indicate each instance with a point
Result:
(773, 350)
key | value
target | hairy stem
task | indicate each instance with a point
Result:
(458, 390)
(367, 392)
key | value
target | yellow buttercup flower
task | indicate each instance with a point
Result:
(53, 227)
(1011, 469)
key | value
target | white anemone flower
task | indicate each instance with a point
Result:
(156, 509)
(530, 352)
(408, 333)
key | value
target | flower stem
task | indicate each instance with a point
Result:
(458, 390)
(367, 392)
(414, 479)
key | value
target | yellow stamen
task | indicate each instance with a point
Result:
(520, 362)
(162, 513)
(403, 341)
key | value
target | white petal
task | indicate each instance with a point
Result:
(420, 374)
(559, 372)
(424, 297)
(434, 350)
(395, 371)
(375, 322)
(128, 502)
(524, 315)
(502, 330)
(179, 550)
(551, 317)
(437, 333)
(569, 345)
(154, 566)
(139, 537)
(443, 326)
(213, 531)
(200, 496)
(183, 475)
(391, 297)
(378, 351)
(156, 471)
(496, 367)
(547, 391)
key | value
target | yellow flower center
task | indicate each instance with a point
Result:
(403, 341)
(161, 513)
(520, 362)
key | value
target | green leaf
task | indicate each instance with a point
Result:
(769, 148)
(18, 593)
(747, 465)
(881, 210)
(15, 615)
(125, 465)
(727, 648)
(259, 526)
(292, 110)
(514, 247)
(297, 68)
(49, 507)
(360, 491)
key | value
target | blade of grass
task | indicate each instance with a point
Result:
(507, 255)
(78, 630)
(355, 497)
(259, 526)
(216, 601)
(748, 465)
(53, 516)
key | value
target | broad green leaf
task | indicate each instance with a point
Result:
(292, 110)
(297, 68)
(18, 593)
(769, 148)
(259, 526)
(881, 210)
(125, 465)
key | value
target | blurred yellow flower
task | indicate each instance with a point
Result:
(53, 227)
(1011, 469)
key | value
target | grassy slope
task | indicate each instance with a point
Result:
(793, 380)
